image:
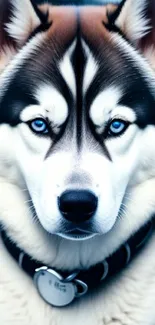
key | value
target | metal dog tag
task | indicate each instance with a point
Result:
(53, 288)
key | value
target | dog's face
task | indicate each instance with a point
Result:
(77, 109)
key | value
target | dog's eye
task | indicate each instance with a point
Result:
(117, 127)
(39, 126)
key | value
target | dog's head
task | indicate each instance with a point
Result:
(77, 114)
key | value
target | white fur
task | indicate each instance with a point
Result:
(123, 111)
(6, 54)
(91, 68)
(132, 19)
(17, 216)
(66, 70)
(129, 300)
(53, 103)
(24, 21)
(130, 176)
(150, 55)
(103, 105)
(47, 179)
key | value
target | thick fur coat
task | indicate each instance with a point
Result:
(77, 111)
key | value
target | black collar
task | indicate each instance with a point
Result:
(83, 279)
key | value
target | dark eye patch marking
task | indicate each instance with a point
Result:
(13, 102)
(140, 99)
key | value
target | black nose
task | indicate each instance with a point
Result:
(77, 205)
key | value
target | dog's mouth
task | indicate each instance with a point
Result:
(77, 234)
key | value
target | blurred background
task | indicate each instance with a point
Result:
(78, 2)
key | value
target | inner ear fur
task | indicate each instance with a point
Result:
(18, 20)
(136, 20)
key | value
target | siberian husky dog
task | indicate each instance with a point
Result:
(77, 164)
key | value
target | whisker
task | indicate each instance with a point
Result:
(28, 201)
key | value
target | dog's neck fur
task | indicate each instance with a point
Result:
(114, 263)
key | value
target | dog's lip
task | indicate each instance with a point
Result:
(77, 234)
(78, 231)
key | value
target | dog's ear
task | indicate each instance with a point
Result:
(136, 20)
(18, 20)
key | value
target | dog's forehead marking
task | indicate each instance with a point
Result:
(90, 69)
(103, 104)
(66, 69)
(52, 105)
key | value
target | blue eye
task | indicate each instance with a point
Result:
(39, 126)
(117, 127)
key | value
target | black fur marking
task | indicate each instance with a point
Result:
(111, 21)
(41, 15)
(78, 61)
(140, 99)
(115, 29)
(113, 16)
(15, 100)
(39, 29)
